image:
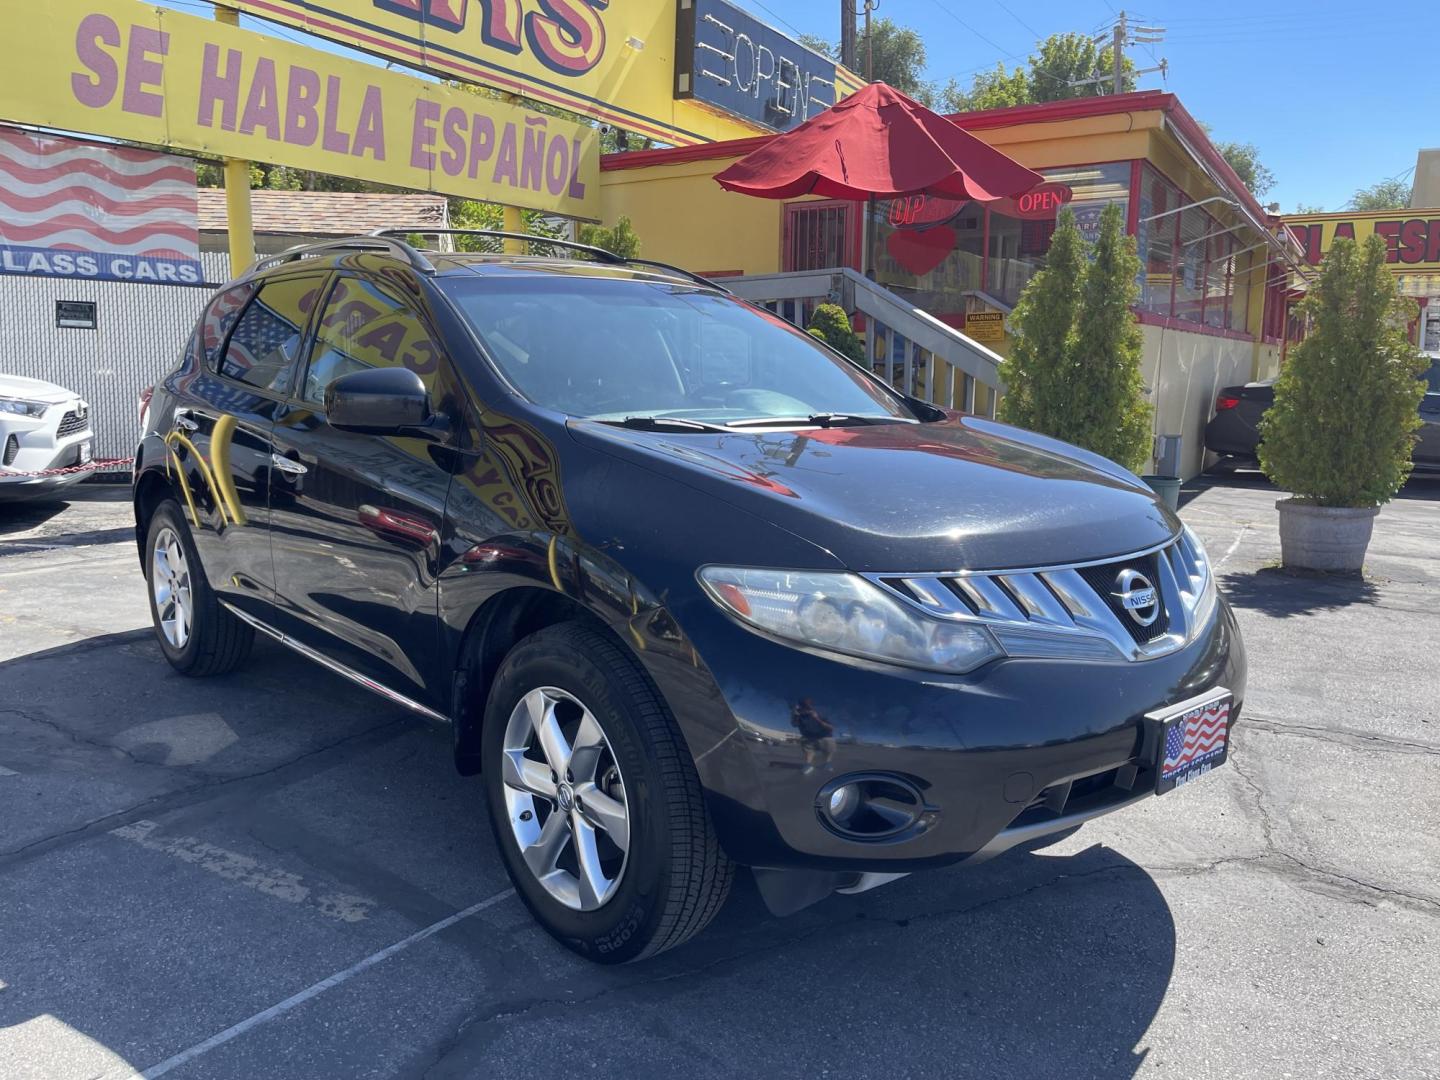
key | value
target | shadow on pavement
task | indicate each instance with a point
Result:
(1052, 964)
(1277, 592)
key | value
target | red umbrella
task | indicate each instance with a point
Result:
(878, 143)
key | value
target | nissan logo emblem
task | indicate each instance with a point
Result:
(1137, 596)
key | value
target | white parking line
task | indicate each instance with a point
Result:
(7, 772)
(1233, 547)
(220, 1038)
(253, 874)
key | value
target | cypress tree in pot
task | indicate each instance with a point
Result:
(1340, 433)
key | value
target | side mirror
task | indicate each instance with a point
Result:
(380, 401)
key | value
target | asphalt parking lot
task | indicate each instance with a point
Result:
(275, 874)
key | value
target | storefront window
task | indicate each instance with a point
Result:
(935, 251)
(1188, 257)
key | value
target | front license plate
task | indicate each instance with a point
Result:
(84, 454)
(1194, 737)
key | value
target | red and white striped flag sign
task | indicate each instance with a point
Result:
(78, 209)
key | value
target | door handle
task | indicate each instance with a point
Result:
(183, 421)
(288, 465)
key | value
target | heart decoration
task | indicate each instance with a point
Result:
(921, 252)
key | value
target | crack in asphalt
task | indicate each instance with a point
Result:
(181, 797)
(1357, 740)
(79, 739)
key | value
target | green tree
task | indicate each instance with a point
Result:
(1244, 158)
(1074, 370)
(831, 325)
(1057, 64)
(1346, 404)
(897, 54)
(1386, 195)
(1308, 208)
(1110, 406)
(619, 239)
(1038, 372)
(469, 214)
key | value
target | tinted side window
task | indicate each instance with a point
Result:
(265, 344)
(367, 325)
(219, 317)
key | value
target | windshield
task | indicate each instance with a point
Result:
(620, 349)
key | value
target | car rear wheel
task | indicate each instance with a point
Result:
(197, 635)
(594, 800)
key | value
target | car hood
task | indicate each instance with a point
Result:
(33, 389)
(964, 493)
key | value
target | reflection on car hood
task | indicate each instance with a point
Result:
(33, 389)
(965, 493)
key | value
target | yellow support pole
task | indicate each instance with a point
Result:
(238, 220)
(514, 221)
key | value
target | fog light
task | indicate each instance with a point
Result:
(843, 801)
(872, 806)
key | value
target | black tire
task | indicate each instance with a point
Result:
(218, 642)
(675, 878)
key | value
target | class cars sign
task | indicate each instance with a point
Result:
(613, 62)
(130, 71)
(77, 209)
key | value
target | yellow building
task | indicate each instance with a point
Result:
(1215, 263)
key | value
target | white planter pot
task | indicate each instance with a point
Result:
(1324, 537)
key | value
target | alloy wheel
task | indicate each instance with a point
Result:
(170, 584)
(566, 799)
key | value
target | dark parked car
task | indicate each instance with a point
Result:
(1234, 431)
(690, 589)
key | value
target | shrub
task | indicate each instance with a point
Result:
(1074, 369)
(831, 325)
(1346, 403)
(620, 239)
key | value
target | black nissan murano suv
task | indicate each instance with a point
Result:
(689, 589)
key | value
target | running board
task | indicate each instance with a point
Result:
(335, 666)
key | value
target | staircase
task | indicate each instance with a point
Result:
(909, 348)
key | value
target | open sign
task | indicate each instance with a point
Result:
(1040, 203)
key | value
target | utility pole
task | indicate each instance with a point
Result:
(847, 33)
(870, 5)
(1125, 33)
(1118, 49)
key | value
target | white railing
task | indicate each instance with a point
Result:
(909, 348)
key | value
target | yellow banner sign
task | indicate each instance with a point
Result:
(130, 71)
(612, 62)
(1412, 237)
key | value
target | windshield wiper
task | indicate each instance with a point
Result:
(822, 419)
(663, 423)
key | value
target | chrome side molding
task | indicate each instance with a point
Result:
(334, 665)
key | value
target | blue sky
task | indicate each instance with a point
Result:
(1334, 99)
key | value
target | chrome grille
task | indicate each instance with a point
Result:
(1075, 611)
(73, 421)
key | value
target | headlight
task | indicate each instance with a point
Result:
(22, 407)
(1202, 592)
(846, 614)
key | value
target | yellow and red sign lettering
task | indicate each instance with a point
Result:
(610, 61)
(130, 71)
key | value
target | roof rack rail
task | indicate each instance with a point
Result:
(374, 242)
(588, 249)
(600, 253)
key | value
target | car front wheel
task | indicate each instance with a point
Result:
(594, 800)
(197, 635)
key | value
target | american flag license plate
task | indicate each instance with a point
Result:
(1194, 738)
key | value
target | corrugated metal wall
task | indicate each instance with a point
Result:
(139, 332)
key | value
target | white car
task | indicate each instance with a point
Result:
(42, 427)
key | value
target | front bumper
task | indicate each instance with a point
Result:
(1016, 750)
(30, 445)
